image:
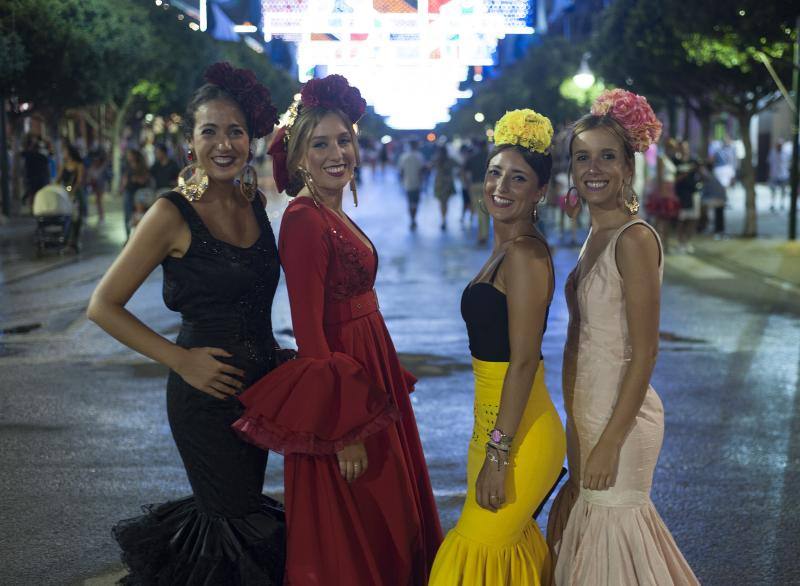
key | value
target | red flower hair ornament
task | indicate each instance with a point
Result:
(332, 92)
(252, 96)
(633, 113)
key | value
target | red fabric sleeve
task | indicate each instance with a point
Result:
(322, 401)
(305, 253)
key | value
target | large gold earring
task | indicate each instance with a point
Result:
(354, 189)
(192, 182)
(632, 204)
(308, 181)
(248, 183)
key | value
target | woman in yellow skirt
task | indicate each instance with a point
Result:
(518, 443)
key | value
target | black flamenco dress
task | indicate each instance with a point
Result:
(227, 533)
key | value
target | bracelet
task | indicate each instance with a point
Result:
(500, 447)
(498, 436)
(492, 457)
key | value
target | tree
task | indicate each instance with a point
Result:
(705, 55)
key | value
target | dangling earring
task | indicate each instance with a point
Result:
(572, 203)
(633, 203)
(308, 181)
(535, 214)
(192, 180)
(482, 206)
(354, 188)
(248, 183)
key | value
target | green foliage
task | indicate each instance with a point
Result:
(533, 82)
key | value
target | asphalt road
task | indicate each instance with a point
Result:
(86, 442)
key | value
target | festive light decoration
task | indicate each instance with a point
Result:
(408, 61)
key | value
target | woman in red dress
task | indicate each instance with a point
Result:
(359, 504)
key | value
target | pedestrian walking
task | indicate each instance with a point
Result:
(444, 185)
(518, 441)
(463, 179)
(213, 240)
(359, 504)
(715, 198)
(72, 176)
(164, 170)
(779, 164)
(662, 203)
(97, 176)
(603, 525)
(411, 167)
(475, 170)
(135, 178)
(36, 168)
(688, 191)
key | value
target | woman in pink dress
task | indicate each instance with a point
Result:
(603, 526)
(359, 505)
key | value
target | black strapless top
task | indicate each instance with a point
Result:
(485, 312)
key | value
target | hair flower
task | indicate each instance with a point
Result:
(251, 95)
(334, 93)
(525, 128)
(633, 113)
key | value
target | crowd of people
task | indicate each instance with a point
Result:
(358, 503)
(84, 176)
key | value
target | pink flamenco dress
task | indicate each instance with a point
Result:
(611, 537)
(345, 386)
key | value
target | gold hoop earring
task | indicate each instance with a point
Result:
(308, 181)
(192, 182)
(248, 182)
(572, 203)
(354, 189)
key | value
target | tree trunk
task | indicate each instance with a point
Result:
(748, 177)
(705, 132)
(116, 135)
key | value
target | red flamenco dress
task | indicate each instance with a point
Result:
(345, 386)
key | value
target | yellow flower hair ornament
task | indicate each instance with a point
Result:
(525, 128)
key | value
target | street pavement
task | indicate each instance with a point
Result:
(86, 441)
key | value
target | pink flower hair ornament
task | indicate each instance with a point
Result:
(633, 113)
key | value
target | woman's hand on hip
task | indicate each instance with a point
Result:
(490, 488)
(352, 461)
(201, 368)
(600, 472)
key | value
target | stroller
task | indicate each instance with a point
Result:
(52, 208)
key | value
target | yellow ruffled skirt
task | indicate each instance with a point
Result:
(505, 548)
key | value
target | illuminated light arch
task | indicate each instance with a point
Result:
(408, 62)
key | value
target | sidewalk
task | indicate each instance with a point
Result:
(770, 258)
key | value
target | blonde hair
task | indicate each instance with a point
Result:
(300, 137)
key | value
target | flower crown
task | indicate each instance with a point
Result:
(525, 128)
(251, 95)
(332, 92)
(633, 113)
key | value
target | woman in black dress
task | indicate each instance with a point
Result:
(214, 242)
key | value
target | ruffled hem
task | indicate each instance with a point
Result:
(619, 546)
(175, 543)
(464, 562)
(314, 406)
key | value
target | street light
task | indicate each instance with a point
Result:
(479, 117)
(584, 79)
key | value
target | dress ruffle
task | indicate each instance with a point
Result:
(175, 543)
(464, 562)
(619, 545)
(314, 406)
